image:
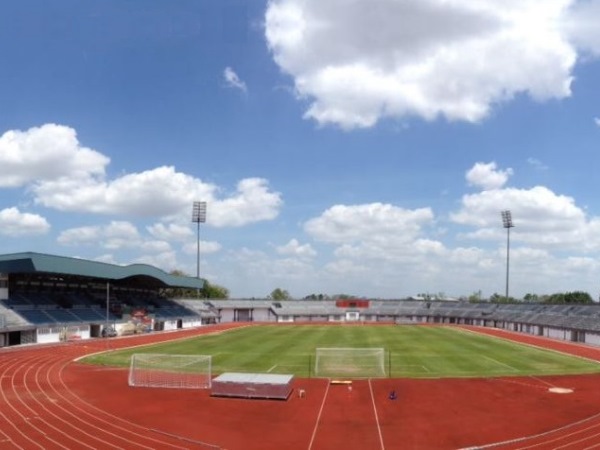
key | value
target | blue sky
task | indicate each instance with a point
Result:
(364, 147)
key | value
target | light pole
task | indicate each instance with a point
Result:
(508, 224)
(107, 309)
(198, 217)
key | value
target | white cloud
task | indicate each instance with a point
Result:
(153, 193)
(205, 247)
(46, 153)
(62, 175)
(597, 121)
(233, 80)
(16, 223)
(166, 259)
(375, 222)
(115, 235)
(294, 248)
(537, 164)
(252, 202)
(170, 231)
(541, 217)
(255, 273)
(358, 62)
(377, 241)
(153, 247)
(487, 176)
(162, 192)
(120, 238)
(581, 25)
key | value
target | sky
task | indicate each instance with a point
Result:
(358, 147)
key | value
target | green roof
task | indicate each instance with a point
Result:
(30, 262)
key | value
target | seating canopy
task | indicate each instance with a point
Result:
(38, 263)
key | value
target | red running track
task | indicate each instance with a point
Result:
(48, 401)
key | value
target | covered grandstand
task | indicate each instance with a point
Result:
(46, 298)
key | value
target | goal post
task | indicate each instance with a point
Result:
(170, 371)
(350, 362)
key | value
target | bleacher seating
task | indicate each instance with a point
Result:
(37, 316)
(61, 315)
(35, 308)
(11, 318)
(90, 314)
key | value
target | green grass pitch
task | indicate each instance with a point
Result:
(411, 351)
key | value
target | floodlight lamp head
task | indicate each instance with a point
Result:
(199, 212)
(507, 219)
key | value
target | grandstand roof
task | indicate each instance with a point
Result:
(31, 263)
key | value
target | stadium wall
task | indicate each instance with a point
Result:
(170, 325)
(251, 313)
(191, 323)
(46, 335)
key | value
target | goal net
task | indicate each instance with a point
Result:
(350, 362)
(170, 371)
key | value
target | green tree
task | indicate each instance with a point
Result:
(211, 290)
(578, 297)
(575, 298)
(475, 297)
(497, 298)
(279, 294)
(208, 291)
(180, 292)
(557, 298)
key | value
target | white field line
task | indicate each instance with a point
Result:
(495, 361)
(500, 368)
(542, 381)
(290, 365)
(418, 366)
(271, 369)
(312, 439)
(376, 415)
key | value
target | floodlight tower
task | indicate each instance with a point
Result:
(198, 217)
(508, 224)
(107, 307)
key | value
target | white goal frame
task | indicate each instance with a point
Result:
(170, 371)
(347, 362)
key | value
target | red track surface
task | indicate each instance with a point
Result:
(47, 401)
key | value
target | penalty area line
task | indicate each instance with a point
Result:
(495, 361)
